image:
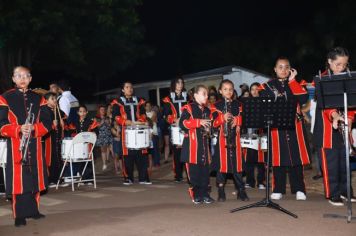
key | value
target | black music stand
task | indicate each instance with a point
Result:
(339, 91)
(268, 113)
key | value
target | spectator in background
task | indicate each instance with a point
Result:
(67, 102)
(153, 152)
(53, 88)
(104, 138)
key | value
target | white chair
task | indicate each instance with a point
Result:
(3, 157)
(76, 153)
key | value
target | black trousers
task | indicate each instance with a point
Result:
(141, 162)
(237, 178)
(25, 205)
(250, 173)
(333, 162)
(296, 179)
(198, 176)
(178, 166)
(54, 170)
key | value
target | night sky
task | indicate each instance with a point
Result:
(174, 28)
(192, 36)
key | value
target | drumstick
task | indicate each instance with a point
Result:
(55, 113)
(60, 120)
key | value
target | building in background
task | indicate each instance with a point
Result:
(155, 91)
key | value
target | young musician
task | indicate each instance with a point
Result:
(129, 110)
(228, 155)
(83, 124)
(26, 174)
(172, 111)
(329, 140)
(52, 140)
(288, 148)
(195, 122)
(254, 158)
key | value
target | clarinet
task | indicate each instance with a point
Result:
(227, 128)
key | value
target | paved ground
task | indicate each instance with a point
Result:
(165, 209)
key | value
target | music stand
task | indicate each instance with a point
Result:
(266, 112)
(339, 91)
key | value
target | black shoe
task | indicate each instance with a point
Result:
(336, 201)
(221, 195)
(208, 200)
(178, 180)
(38, 216)
(197, 200)
(316, 177)
(20, 221)
(242, 195)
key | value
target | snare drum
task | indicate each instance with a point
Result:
(137, 137)
(3, 151)
(263, 142)
(79, 150)
(177, 136)
(249, 142)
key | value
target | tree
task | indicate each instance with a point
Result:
(82, 38)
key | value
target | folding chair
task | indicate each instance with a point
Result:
(86, 139)
(3, 157)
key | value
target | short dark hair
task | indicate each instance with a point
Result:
(49, 94)
(64, 85)
(255, 84)
(123, 85)
(82, 106)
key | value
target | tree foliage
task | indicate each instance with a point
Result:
(80, 38)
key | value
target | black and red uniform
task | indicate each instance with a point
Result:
(331, 152)
(195, 150)
(52, 147)
(288, 148)
(76, 127)
(85, 125)
(228, 153)
(24, 180)
(172, 110)
(131, 109)
(254, 158)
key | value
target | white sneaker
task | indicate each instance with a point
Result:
(90, 184)
(276, 196)
(300, 196)
(247, 186)
(261, 187)
(105, 167)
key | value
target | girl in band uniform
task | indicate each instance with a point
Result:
(254, 158)
(228, 156)
(329, 140)
(172, 111)
(195, 122)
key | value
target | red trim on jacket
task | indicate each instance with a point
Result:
(170, 118)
